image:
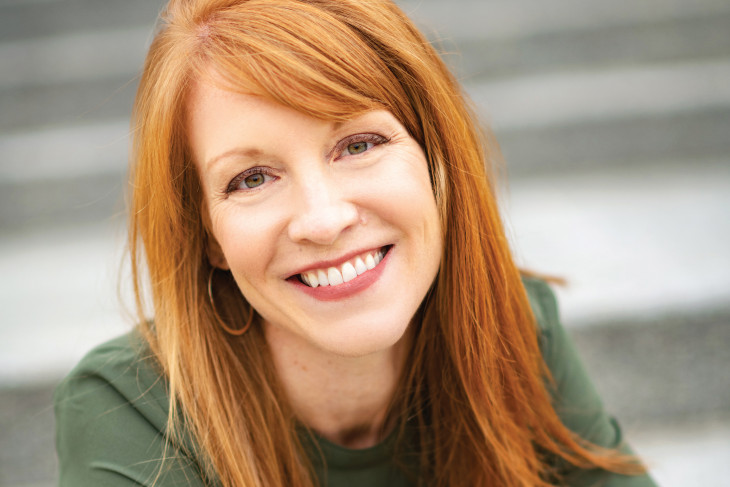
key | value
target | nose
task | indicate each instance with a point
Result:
(322, 211)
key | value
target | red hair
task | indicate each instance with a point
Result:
(475, 364)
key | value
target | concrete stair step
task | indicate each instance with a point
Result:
(60, 202)
(505, 19)
(664, 40)
(631, 242)
(620, 143)
(655, 370)
(79, 102)
(29, 19)
(73, 57)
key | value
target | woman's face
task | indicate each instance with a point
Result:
(330, 230)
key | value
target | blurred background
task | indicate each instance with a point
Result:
(614, 123)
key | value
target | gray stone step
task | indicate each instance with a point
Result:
(658, 369)
(30, 19)
(77, 102)
(72, 57)
(27, 442)
(623, 143)
(663, 40)
(60, 202)
(504, 19)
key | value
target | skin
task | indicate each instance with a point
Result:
(286, 192)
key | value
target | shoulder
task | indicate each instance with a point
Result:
(111, 419)
(543, 302)
(545, 309)
(120, 371)
(575, 398)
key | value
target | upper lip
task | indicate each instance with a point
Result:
(324, 264)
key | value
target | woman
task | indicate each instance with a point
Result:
(334, 299)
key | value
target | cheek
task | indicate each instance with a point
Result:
(247, 240)
(404, 196)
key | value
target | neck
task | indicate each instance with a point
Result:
(344, 399)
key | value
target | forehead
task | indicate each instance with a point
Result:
(217, 118)
(221, 121)
(330, 103)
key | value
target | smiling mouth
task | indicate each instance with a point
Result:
(345, 272)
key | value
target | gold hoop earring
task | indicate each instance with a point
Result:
(223, 325)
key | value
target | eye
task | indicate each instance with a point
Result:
(251, 179)
(358, 147)
(359, 144)
(254, 180)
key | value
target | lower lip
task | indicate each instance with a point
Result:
(346, 289)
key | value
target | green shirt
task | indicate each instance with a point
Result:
(111, 413)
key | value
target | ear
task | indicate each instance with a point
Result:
(215, 253)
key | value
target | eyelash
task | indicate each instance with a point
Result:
(370, 138)
(337, 153)
(236, 182)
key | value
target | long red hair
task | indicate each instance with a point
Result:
(475, 365)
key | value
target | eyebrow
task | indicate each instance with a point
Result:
(238, 151)
(252, 153)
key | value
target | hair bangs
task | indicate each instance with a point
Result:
(295, 55)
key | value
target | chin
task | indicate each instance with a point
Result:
(360, 341)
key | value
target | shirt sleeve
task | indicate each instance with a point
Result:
(576, 400)
(111, 413)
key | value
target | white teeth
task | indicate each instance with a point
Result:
(322, 278)
(334, 277)
(360, 267)
(312, 278)
(348, 272)
(369, 262)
